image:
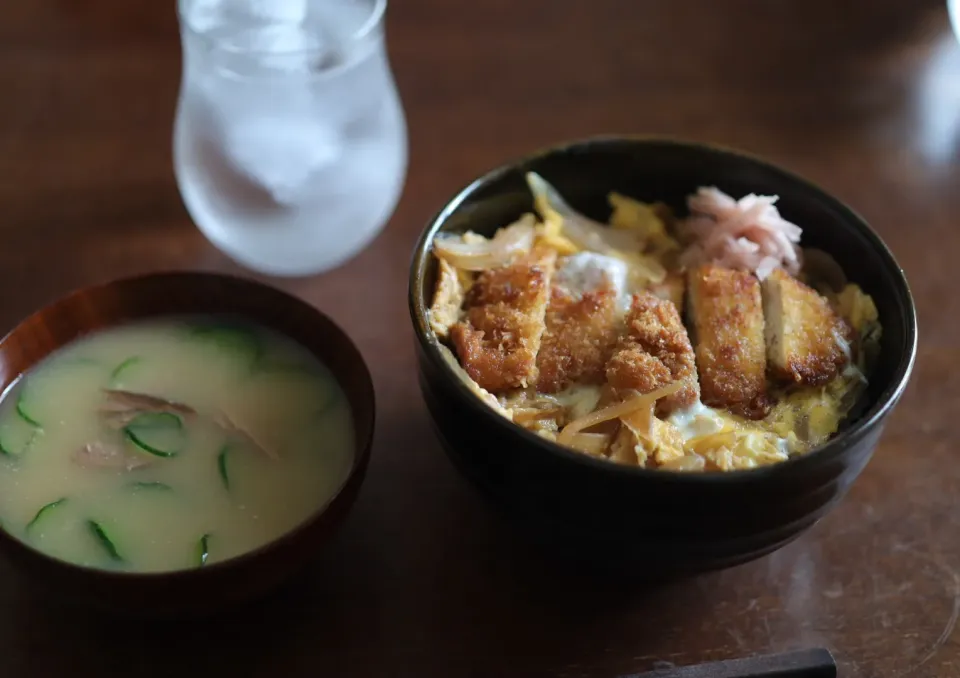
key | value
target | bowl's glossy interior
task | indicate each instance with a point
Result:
(652, 170)
(166, 294)
(672, 520)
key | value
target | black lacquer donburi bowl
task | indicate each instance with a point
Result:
(658, 522)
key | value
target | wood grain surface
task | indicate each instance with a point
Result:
(862, 97)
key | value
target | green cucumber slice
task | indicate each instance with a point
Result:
(42, 396)
(45, 510)
(222, 467)
(100, 534)
(120, 370)
(203, 550)
(16, 435)
(23, 408)
(231, 339)
(160, 434)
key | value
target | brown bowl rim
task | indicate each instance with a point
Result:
(362, 451)
(833, 448)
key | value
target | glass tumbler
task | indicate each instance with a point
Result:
(290, 143)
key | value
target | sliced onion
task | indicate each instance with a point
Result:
(625, 408)
(584, 232)
(641, 422)
(506, 246)
(593, 444)
(523, 415)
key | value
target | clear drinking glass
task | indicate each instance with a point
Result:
(953, 9)
(290, 143)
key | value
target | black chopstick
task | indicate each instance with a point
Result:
(813, 663)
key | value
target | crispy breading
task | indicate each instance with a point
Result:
(579, 337)
(654, 352)
(807, 342)
(633, 369)
(480, 392)
(499, 339)
(672, 289)
(726, 312)
(447, 299)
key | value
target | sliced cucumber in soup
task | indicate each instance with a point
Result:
(58, 388)
(104, 540)
(16, 435)
(45, 511)
(235, 340)
(123, 370)
(202, 551)
(160, 434)
(222, 466)
(25, 409)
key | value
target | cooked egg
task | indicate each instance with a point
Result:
(697, 420)
(725, 440)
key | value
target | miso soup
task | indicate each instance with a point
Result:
(170, 445)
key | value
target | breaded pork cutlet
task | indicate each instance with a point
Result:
(580, 334)
(654, 352)
(498, 340)
(726, 311)
(807, 342)
(583, 319)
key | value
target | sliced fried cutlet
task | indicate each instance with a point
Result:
(586, 308)
(807, 342)
(580, 334)
(498, 340)
(654, 352)
(726, 311)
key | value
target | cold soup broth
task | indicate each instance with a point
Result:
(170, 445)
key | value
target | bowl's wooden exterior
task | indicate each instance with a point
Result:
(658, 522)
(208, 589)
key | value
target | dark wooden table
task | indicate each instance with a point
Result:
(863, 97)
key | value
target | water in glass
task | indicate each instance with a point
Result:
(290, 144)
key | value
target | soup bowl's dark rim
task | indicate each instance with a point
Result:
(830, 450)
(362, 446)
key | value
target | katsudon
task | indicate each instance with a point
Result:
(689, 342)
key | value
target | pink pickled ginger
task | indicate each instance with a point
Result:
(745, 234)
